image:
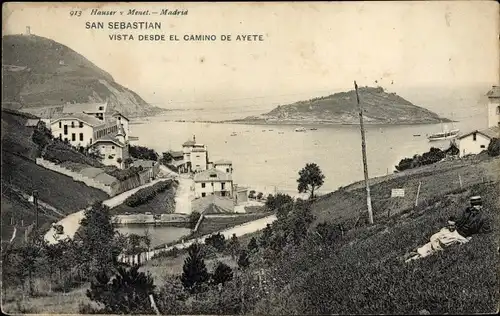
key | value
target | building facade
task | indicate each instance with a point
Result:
(213, 182)
(113, 152)
(223, 165)
(77, 129)
(494, 107)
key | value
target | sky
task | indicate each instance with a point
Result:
(309, 49)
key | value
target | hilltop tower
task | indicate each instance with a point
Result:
(28, 30)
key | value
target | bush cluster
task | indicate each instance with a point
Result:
(59, 152)
(146, 194)
(432, 156)
(123, 174)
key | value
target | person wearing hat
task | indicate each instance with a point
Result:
(472, 220)
(446, 237)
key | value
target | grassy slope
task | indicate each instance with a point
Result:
(162, 203)
(437, 181)
(20, 171)
(379, 106)
(364, 273)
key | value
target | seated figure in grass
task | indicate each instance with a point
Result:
(456, 232)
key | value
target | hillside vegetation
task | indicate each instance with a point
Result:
(21, 175)
(39, 72)
(380, 107)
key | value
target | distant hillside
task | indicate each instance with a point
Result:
(380, 107)
(39, 72)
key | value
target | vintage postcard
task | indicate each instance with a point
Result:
(250, 158)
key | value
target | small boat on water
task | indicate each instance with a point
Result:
(300, 129)
(443, 135)
(233, 134)
(313, 129)
(416, 135)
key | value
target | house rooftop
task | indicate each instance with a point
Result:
(84, 108)
(110, 138)
(212, 175)
(222, 162)
(116, 113)
(89, 119)
(494, 92)
(177, 154)
(189, 143)
(492, 132)
(144, 163)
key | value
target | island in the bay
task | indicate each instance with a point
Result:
(380, 107)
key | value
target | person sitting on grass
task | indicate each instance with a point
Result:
(460, 231)
(446, 237)
(472, 220)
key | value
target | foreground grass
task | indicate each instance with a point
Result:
(364, 273)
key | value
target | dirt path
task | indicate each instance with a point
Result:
(184, 196)
(71, 223)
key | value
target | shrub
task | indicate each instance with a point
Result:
(123, 174)
(432, 156)
(59, 152)
(494, 147)
(146, 194)
(218, 241)
(141, 152)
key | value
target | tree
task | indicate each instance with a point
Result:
(128, 161)
(270, 202)
(218, 241)
(222, 274)
(234, 246)
(141, 152)
(251, 194)
(260, 195)
(243, 260)
(266, 236)
(310, 179)
(166, 158)
(194, 217)
(194, 270)
(252, 245)
(127, 293)
(98, 239)
(494, 147)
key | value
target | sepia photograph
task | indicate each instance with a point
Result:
(250, 158)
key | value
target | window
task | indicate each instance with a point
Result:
(65, 139)
(203, 185)
(482, 146)
(73, 137)
(72, 124)
(60, 124)
(227, 170)
(474, 137)
(112, 147)
(103, 146)
(203, 194)
(212, 184)
(222, 186)
(81, 125)
(81, 137)
(119, 118)
(91, 141)
(197, 156)
(65, 129)
(498, 109)
(101, 108)
(60, 136)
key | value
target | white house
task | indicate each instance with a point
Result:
(477, 141)
(113, 149)
(213, 182)
(223, 165)
(199, 159)
(122, 120)
(77, 128)
(494, 107)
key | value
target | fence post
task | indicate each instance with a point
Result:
(460, 180)
(418, 193)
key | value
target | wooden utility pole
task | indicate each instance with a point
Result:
(363, 149)
(35, 202)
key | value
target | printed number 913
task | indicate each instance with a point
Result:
(75, 13)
